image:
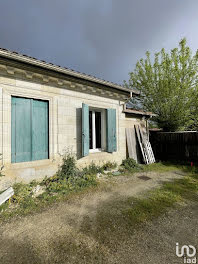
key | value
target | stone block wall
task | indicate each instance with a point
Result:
(65, 106)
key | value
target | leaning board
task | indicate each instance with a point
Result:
(131, 143)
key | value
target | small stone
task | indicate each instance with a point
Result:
(38, 190)
(116, 173)
(98, 175)
(106, 171)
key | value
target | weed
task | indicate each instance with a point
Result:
(109, 165)
(68, 179)
(4, 206)
(22, 192)
(1, 175)
(93, 169)
(64, 186)
(130, 164)
(68, 167)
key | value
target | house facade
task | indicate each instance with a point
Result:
(46, 110)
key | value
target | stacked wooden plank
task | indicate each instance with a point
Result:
(132, 143)
(6, 195)
(145, 146)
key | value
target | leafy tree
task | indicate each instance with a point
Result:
(168, 87)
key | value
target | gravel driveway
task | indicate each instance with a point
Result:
(78, 231)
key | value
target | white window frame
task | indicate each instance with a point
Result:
(103, 130)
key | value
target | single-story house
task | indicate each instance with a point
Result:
(46, 109)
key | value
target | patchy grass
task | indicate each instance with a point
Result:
(161, 199)
(68, 179)
(121, 215)
(129, 165)
(62, 185)
(103, 228)
(117, 218)
(106, 230)
(162, 167)
(29, 204)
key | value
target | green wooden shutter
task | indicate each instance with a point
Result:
(39, 130)
(29, 130)
(111, 130)
(21, 130)
(85, 130)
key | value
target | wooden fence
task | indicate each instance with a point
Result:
(175, 146)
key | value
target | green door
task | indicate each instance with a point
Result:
(29, 130)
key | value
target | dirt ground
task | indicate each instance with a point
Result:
(83, 229)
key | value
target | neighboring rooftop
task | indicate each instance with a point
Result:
(69, 72)
(132, 108)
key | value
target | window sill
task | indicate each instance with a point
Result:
(96, 151)
(27, 164)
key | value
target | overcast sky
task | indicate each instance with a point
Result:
(104, 38)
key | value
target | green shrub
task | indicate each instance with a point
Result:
(92, 169)
(71, 183)
(69, 177)
(68, 167)
(109, 165)
(130, 164)
(23, 196)
(22, 192)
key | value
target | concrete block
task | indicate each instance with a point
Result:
(6, 195)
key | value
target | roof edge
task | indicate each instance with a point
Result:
(49, 66)
(138, 112)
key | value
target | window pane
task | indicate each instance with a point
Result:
(90, 130)
(98, 129)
